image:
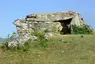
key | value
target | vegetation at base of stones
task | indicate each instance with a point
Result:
(41, 40)
(82, 30)
(24, 47)
(9, 38)
(69, 49)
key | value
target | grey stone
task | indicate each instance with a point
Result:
(12, 43)
(48, 35)
(48, 22)
(21, 40)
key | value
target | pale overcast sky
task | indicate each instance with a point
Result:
(14, 9)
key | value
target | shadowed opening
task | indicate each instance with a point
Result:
(66, 26)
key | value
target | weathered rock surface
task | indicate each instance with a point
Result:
(20, 40)
(47, 35)
(48, 22)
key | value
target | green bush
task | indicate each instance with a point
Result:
(41, 39)
(81, 30)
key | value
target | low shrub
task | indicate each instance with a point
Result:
(41, 39)
(81, 30)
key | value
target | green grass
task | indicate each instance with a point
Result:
(69, 49)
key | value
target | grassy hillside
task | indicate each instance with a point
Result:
(69, 49)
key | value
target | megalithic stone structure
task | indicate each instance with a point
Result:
(53, 22)
(48, 22)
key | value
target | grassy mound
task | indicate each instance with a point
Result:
(67, 49)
